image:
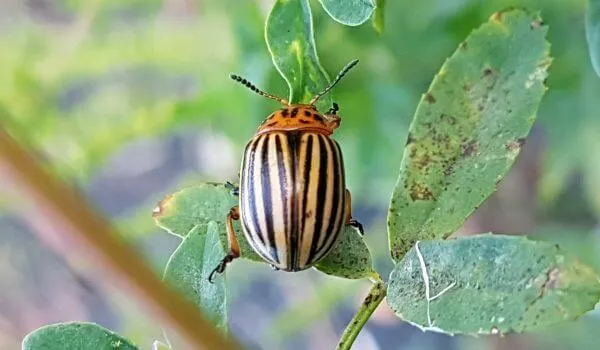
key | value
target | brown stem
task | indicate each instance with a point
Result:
(68, 207)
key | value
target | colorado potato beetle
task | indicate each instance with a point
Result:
(293, 201)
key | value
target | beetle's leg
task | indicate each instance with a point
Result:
(334, 109)
(235, 190)
(274, 267)
(234, 247)
(349, 220)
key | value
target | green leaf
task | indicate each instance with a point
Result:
(75, 335)
(196, 206)
(290, 39)
(379, 16)
(350, 258)
(493, 284)
(592, 32)
(188, 270)
(349, 12)
(469, 128)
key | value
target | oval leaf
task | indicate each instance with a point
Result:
(188, 270)
(592, 32)
(198, 205)
(469, 128)
(350, 258)
(290, 39)
(349, 12)
(75, 335)
(490, 284)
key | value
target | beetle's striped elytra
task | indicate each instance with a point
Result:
(293, 201)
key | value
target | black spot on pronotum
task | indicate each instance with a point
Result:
(429, 98)
(285, 113)
(318, 117)
(307, 113)
(303, 121)
(294, 112)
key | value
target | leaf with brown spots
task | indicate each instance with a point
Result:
(491, 284)
(469, 128)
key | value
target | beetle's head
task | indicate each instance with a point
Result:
(300, 116)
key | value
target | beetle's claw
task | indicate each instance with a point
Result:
(235, 190)
(358, 225)
(274, 267)
(334, 109)
(220, 268)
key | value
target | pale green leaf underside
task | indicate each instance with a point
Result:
(196, 206)
(290, 39)
(193, 206)
(75, 335)
(592, 32)
(350, 258)
(501, 284)
(349, 12)
(188, 270)
(469, 128)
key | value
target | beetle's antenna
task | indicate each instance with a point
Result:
(251, 86)
(335, 81)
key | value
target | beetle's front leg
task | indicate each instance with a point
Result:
(349, 220)
(234, 247)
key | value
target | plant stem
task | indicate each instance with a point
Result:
(79, 222)
(373, 299)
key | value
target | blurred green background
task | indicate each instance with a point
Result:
(130, 100)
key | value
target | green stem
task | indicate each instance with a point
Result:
(371, 302)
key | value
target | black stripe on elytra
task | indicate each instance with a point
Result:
(321, 196)
(282, 184)
(342, 188)
(338, 214)
(293, 139)
(335, 205)
(250, 186)
(307, 185)
(265, 184)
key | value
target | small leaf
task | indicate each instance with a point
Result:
(188, 270)
(350, 258)
(349, 12)
(193, 208)
(290, 39)
(493, 284)
(198, 205)
(592, 32)
(469, 128)
(75, 335)
(379, 16)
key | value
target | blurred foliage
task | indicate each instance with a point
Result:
(81, 80)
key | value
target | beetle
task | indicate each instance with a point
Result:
(293, 200)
